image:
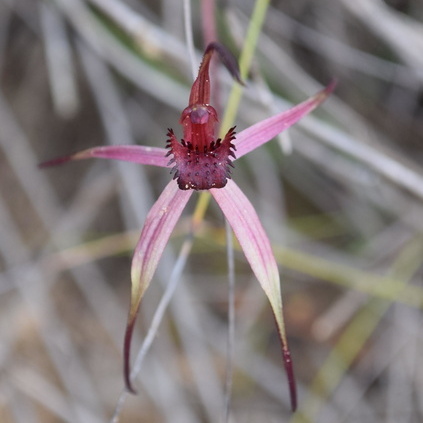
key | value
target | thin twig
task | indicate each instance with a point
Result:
(231, 322)
(59, 61)
(189, 37)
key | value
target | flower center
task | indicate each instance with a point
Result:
(201, 163)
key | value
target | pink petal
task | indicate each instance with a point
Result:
(264, 131)
(158, 226)
(130, 153)
(256, 246)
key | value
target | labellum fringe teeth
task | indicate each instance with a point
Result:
(201, 170)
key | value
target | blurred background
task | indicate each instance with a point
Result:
(340, 197)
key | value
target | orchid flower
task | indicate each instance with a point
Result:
(200, 161)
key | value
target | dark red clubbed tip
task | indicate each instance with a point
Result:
(201, 169)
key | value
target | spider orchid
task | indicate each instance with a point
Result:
(201, 162)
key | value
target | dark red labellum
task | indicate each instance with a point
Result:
(201, 169)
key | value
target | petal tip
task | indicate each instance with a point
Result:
(54, 162)
(227, 59)
(126, 356)
(328, 90)
(287, 359)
